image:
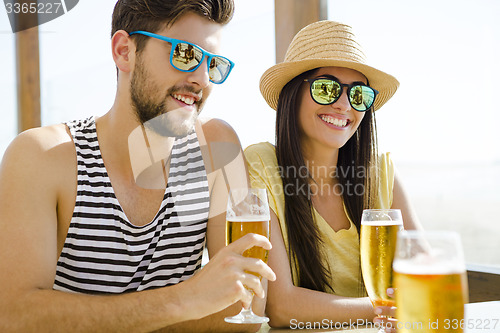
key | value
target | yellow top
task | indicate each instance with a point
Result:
(341, 248)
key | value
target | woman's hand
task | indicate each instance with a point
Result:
(386, 315)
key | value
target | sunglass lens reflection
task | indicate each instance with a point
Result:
(218, 69)
(186, 56)
(361, 97)
(325, 91)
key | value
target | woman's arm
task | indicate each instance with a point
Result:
(401, 201)
(410, 220)
(288, 305)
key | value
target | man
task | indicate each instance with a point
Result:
(91, 236)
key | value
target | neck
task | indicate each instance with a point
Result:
(128, 149)
(114, 130)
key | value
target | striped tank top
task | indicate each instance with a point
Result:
(105, 253)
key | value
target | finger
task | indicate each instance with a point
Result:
(253, 283)
(248, 241)
(390, 330)
(388, 324)
(258, 267)
(391, 292)
(246, 296)
(385, 311)
(392, 311)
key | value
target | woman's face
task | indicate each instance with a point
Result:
(328, 126)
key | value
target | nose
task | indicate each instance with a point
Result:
(200, 76)
(342, 104)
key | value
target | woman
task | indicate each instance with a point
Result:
(324, 170)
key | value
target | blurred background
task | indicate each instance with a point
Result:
(440, 127)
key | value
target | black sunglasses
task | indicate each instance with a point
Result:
(326, 90)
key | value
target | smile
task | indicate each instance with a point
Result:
(335, 121)
(184, 99)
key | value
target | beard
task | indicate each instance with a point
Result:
(154, 115)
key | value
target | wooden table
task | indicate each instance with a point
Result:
(481, 317)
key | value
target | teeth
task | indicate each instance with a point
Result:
(187, 100)
(335, 121)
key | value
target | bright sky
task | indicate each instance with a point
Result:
(445, 54)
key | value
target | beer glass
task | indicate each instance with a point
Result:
(248, 212)
(431, 282)
(379, 229)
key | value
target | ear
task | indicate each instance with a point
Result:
(123, 50)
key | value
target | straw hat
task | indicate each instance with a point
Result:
(322, 44)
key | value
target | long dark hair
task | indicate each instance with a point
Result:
(356, 160)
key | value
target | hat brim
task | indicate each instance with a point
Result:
(275, 78)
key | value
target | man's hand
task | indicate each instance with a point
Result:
(222, 281)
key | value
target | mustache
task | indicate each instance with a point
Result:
(184, 89)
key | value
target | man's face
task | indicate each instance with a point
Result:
(165, 99)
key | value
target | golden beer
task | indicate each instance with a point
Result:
(377, 247)
(430, 302)
(248, 212)
(237, 229)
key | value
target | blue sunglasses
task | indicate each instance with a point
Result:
(187, 57)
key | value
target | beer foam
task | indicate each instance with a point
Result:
(382, 223)
(424, 264)
(249, 218)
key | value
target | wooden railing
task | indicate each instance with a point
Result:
(293, 15)
(28, 70)
(484, 283)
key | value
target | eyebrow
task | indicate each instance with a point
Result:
(328, 76)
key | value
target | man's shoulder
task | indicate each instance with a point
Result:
(219, 143)
(42, 138)
(41, 145)
(217, 130)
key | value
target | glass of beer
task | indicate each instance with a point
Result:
(379, 230)
(431, 282)
(248, 212)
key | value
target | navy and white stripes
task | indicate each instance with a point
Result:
(105, 253)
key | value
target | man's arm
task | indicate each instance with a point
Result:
(226, 168)
(29, 183)
(231, 173)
